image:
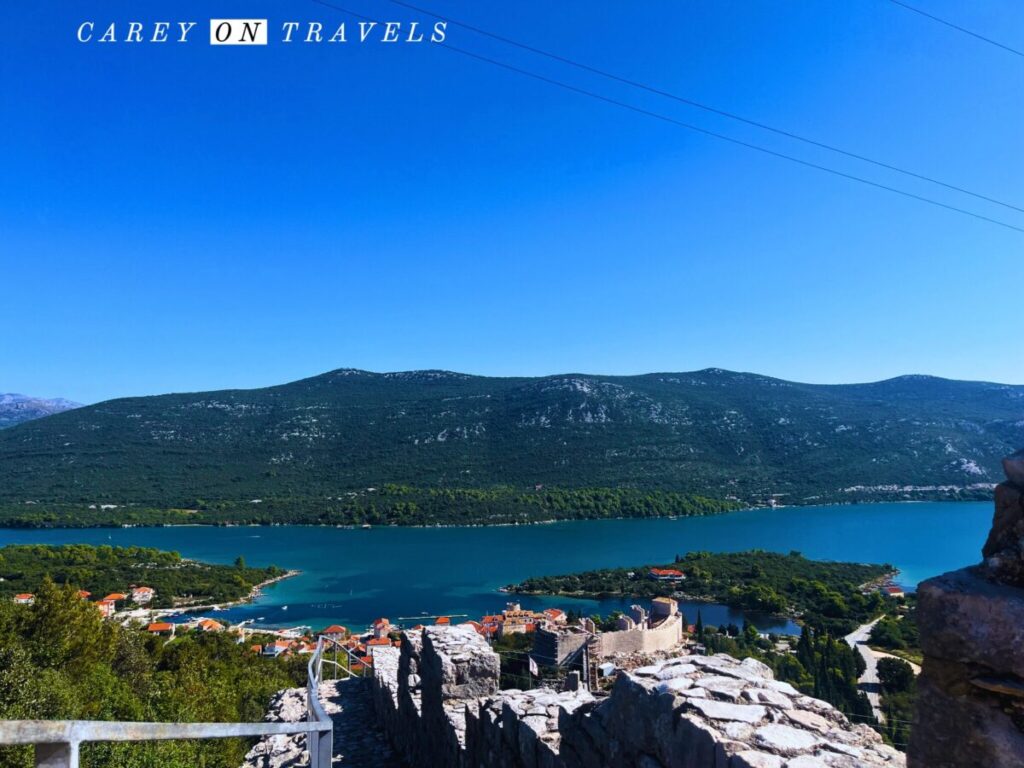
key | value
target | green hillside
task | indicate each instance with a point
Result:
(324, 440)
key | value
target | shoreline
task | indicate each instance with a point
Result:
(549, 521)
(884, 579)
(255, 592)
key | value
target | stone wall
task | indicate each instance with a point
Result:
(553, 647)
(439, 703)
(663, 637)
(970, 705)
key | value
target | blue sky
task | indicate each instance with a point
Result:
(181, 218)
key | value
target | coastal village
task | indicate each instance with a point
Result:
(558, 640)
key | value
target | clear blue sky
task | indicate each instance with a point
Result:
(185, 217)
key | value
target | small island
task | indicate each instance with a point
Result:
(826, 595)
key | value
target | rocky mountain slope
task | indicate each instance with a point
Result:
(14, 409)
(713, 432)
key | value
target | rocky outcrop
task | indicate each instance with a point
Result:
(970, 704)
(690, 712)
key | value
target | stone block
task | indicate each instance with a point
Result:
(966, 618)
(957, 725)
(457, 663)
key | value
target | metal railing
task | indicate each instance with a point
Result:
(57, 741)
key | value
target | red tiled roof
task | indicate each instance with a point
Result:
(443, 620)
(335, 629)
(114, 596)
(83, 594)
(665, 572)
(160, 626)
(379, 641)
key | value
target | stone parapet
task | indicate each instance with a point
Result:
(972, 634)
(970, 702)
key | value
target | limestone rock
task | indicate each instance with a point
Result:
(750, 759)
(785, 739)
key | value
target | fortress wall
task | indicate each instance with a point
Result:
(664, 637)
(690, 712)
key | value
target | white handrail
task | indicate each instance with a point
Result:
(57, 741)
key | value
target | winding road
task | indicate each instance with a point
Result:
(858, 640)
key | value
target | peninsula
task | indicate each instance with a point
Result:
(825, 595)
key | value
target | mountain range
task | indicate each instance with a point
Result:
(14, 409)
(717, 433)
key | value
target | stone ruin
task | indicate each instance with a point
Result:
(438, 701)
(970, 705)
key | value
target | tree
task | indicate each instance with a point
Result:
(895, 675)
(240, 563)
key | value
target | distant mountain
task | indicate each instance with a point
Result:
(14, 409)
(712, 432)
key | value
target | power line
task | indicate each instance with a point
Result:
(708, 108)
(698, 129)
(957, 27)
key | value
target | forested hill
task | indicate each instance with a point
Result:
(711, 432)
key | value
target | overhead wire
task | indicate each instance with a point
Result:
(698, 129)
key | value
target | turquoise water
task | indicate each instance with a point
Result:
(353, 576)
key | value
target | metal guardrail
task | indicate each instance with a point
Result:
(57, 741)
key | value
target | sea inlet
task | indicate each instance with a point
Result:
(351, 576)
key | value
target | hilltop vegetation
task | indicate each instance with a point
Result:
(824, 595)
(305, 448)
(60, 660)
(102, 570)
